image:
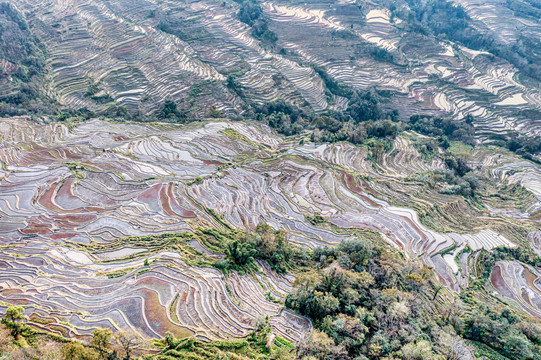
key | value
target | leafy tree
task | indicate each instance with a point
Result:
(382, 129)
(170, 111)
(76, 351)
(170, 340)
(101, 340)
(358, 250)
(249, 12)
(240, 253)
(214, 113)
(364, 106)
(272, 246)
(13, 320)
(234, 85)
(14, 313)
(420, 350)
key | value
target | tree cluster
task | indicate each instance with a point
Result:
(366, 302)
(264, 244)
(363, 119)
(251, 13)
(445, 18)
(21, 76)
(459, 176)
(444, 128)
(171, 111)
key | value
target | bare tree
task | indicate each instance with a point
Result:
(128, 341)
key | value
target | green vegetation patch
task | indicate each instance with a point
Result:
(459, 148)
(254, 346)
(235, 135)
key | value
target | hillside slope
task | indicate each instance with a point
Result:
(136, 54)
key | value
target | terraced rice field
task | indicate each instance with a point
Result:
(69, 199)
(50, 205)
(124, 49)
(519, 283)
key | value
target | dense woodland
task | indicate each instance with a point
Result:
(368, 303)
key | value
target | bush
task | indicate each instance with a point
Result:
(170, 111)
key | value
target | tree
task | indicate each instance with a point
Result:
(329, 304)
(419, 350)
(359, 250)
(101, 339)
(15, 314)
(516, 345)
(170, 111)
(76, 351)
(128, 342)
(170, 340)
(234, 85)
(214, 113)
(240, 253)
(364, 106)
(320, 346)
(249, 12)
(272, 246)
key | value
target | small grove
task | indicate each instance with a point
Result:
(264, 244)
